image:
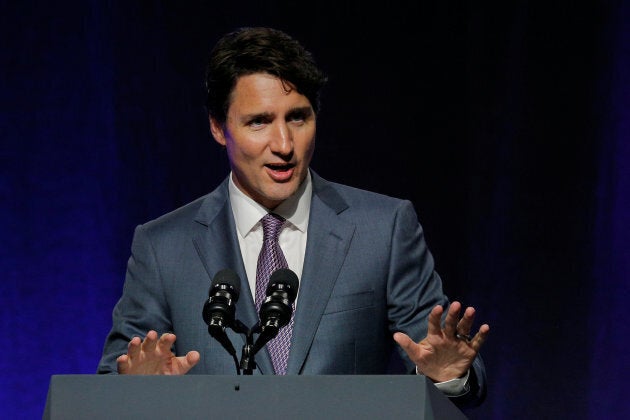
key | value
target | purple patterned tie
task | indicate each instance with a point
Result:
(271, 259)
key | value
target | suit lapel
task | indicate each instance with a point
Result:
(328, 242)
(218, 248)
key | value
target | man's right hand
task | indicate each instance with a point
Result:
(153, 356)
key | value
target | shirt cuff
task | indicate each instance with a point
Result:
(454, 387)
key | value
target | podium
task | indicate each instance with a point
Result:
(188, 397)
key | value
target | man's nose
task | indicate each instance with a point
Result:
(282, 142)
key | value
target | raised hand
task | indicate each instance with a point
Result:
(446, 352)
(153, 356)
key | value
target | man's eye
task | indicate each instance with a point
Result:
(297, 117)
(255, 122)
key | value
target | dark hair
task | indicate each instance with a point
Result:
(259, 50)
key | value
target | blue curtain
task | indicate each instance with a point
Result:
(608, 329)
(507, 126)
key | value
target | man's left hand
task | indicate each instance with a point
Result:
(445, 353)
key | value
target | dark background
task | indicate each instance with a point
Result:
(507, 126)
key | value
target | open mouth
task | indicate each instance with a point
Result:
(280, 172)
(280, 167)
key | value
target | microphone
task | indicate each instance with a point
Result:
(220, 309)
(276, 310)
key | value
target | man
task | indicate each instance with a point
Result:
(369, 300)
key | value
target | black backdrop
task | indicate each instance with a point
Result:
(506, 125)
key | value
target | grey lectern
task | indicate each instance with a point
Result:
(324, 397)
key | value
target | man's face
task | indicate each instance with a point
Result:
(269, 134)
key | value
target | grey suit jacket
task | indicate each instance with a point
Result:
(367, 274)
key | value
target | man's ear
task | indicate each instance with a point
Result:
(217, 131)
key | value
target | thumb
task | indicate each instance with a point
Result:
(187, 362)
(192, 357)
(403, 340)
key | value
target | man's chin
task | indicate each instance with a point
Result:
(278, 194)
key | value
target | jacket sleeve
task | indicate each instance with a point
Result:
(142, 306)
(414, 288)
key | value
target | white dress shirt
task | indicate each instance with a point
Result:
(292, 239)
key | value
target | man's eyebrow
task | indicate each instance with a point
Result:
(304, 110)
(256, 115)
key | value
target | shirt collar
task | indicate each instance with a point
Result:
(295, 209)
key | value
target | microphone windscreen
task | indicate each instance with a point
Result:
(286, 277)
(227, 277)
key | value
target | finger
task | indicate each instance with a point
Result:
(452, 317)
(166, 342)
(122, 363)
(434, 326)
(480, 337)
(465, 324)
(133, 348)
(150, 341)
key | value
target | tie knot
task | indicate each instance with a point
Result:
(272, 224)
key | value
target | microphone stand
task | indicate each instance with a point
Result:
(248, 362)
